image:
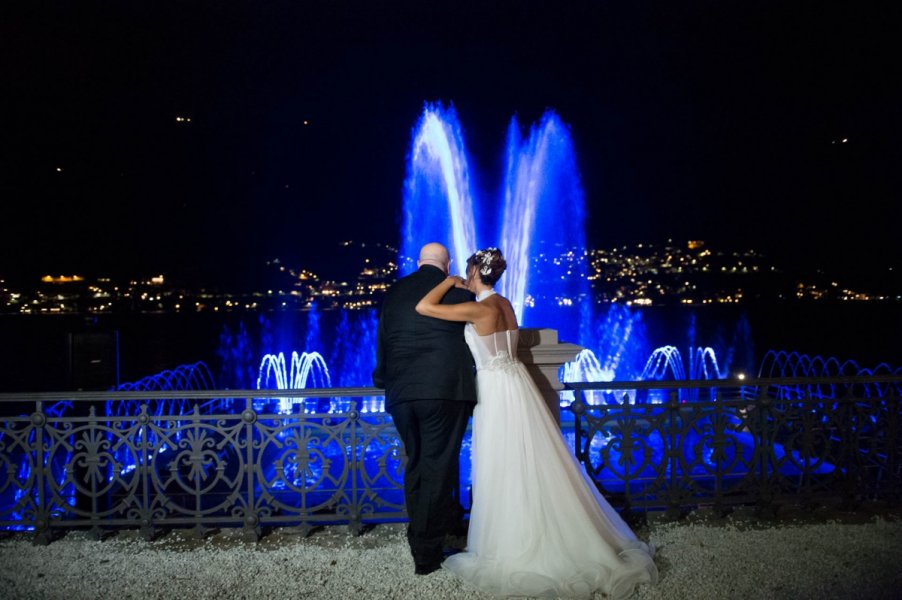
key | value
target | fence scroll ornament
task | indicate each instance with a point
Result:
(226, 463)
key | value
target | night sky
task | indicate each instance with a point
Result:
(722, 121)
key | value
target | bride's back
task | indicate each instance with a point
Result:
(502, 317)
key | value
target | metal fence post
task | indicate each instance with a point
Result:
(252, 530)
(673, 495)
(42, 532)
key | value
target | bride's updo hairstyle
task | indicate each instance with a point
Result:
(489, 263)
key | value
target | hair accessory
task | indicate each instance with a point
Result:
(487, 257)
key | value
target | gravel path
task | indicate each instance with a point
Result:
(852, 555)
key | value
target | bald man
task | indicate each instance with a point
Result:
(427, 371)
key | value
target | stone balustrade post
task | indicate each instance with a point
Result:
(543, 355)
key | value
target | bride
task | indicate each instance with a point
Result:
(538, 526)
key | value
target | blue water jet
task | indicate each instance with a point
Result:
(438, 201)
(537, 218)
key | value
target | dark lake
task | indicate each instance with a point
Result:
(67, 352)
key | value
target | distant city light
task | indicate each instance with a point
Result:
(183, 119)
(62, 279)
(621, 278)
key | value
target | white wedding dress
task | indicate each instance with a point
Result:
(538, 526)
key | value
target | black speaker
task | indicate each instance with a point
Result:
(94, 360)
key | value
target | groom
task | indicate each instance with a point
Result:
(430, 391)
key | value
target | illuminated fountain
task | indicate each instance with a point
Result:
(350, 362)
(796, 365)
(621, 340)
(194, 376)
(537, 220)
(438, 202)
(190, 377)
(307, 370)
(666, 363)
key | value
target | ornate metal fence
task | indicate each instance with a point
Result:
(154, 460)
(669, 445)
(222, 462)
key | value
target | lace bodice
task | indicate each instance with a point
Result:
(494, 351)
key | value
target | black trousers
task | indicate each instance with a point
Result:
(432, 432)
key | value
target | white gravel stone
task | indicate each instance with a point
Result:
(700, 557)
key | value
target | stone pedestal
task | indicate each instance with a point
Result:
(543, 356)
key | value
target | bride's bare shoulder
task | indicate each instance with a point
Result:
(510, 316)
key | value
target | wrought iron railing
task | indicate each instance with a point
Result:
(230, 459)
(215, 458)
(672, 445)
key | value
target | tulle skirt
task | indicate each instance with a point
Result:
(538, 526)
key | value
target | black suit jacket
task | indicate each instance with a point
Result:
(417, 357)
